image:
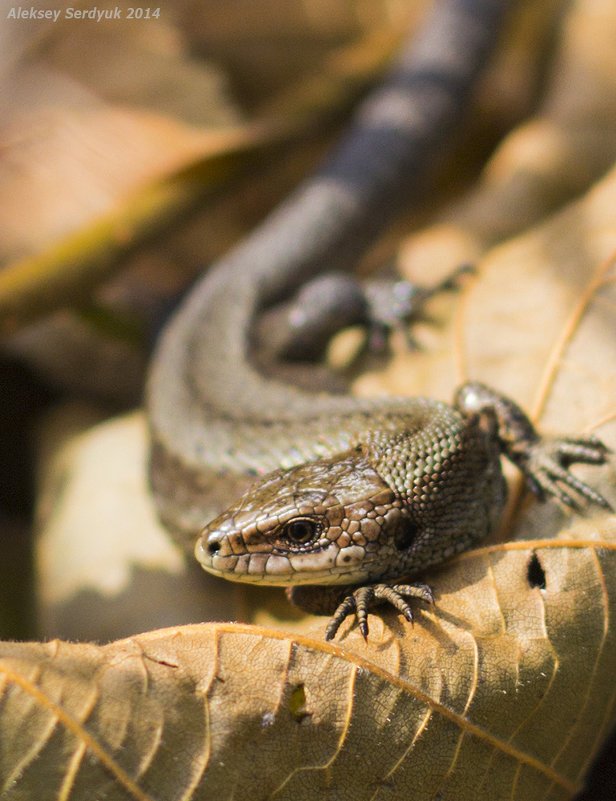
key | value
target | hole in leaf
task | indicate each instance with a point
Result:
(535, 574)
(297, 703)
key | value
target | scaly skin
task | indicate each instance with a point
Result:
(386, 486)
(216, 421)
(403, 497)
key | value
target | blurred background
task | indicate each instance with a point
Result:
(136, 147)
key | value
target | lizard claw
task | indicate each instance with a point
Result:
(546, 464)
(362, 599)
(392, 304)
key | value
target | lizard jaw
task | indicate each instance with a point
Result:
(329, 565)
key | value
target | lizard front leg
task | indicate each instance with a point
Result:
(544, 461)
(340, 602)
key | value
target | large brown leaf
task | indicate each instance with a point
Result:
(505, 690)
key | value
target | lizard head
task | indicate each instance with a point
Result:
(330, 521)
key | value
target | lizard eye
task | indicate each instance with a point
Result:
(300, 530)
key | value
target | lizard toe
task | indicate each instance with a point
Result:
(364, 598)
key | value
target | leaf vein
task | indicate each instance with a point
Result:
(77, 729)
(438, 708)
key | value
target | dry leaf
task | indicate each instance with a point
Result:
(505, 690)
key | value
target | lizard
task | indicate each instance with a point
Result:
(338, 497)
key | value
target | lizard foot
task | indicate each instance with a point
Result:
(546, 461)
(393, 304)
(300, 330)
(363, 598)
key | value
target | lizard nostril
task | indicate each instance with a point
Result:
(213, 546)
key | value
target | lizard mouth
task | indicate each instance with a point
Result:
(322, 567)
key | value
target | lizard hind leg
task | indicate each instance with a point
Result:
(301, 329)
